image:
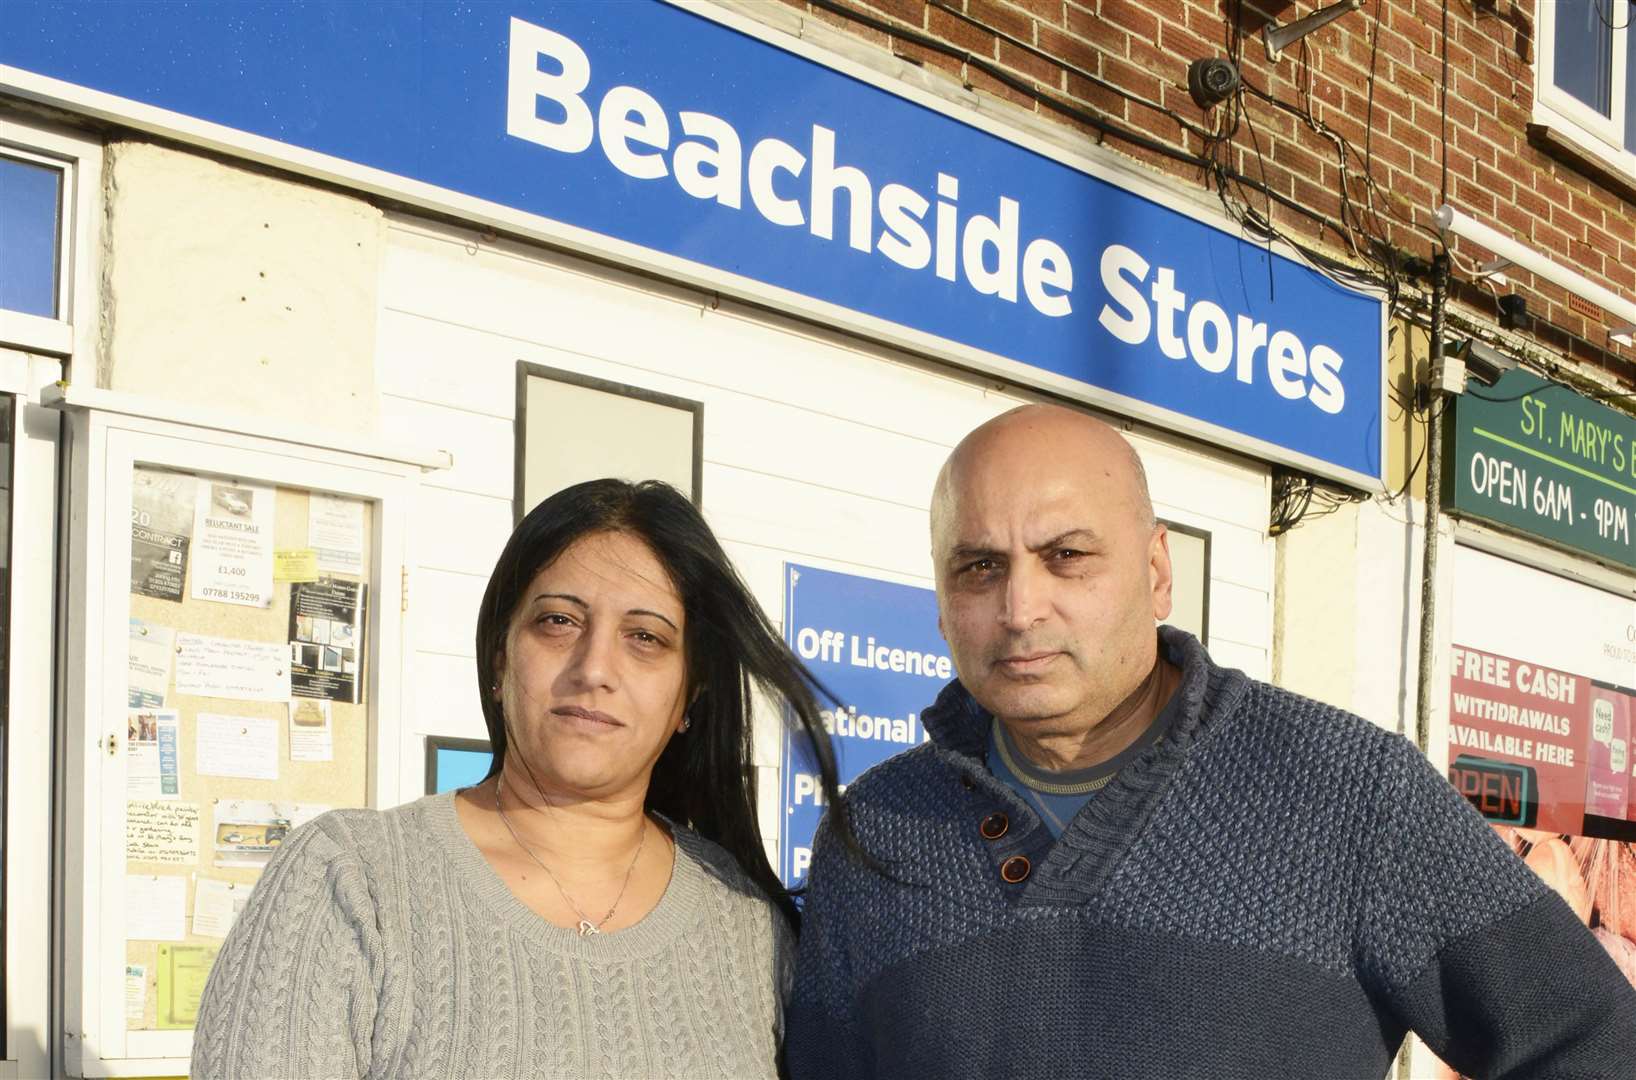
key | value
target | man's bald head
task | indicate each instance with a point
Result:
(1041, 433)
(1051, 572)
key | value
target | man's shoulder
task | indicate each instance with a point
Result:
(1311, 726)
(899, 775)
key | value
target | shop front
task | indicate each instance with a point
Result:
(443, 263)
(1542, 652)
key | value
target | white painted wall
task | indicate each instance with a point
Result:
(1348, 610)
(235, 290)
(817, 448)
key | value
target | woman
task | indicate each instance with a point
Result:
(601, 904)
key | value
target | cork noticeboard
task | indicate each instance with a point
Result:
(249, 710)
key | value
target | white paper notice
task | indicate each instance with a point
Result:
(162, 832)
(152, 647)
(232, 668)
(233, 543)
(136, 993)
(311, 736)
(335, 528)
(248, 831)
(245, 746)
(150, 754)
(155, 907)
(216, 904)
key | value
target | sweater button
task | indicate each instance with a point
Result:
(1015, 869)
(994, 826)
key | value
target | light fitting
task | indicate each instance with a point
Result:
(1278, 38)
(1617, 308)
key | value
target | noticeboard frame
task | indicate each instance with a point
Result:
(105, 440)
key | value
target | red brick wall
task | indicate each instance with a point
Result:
(1143, 47)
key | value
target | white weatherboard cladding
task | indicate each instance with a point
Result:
(481, 445)
(447, 523)
(817, 448)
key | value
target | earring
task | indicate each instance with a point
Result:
(687, 722)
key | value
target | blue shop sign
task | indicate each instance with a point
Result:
(669, 130)
(875, 646)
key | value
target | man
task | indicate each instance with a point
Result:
(1115, 859)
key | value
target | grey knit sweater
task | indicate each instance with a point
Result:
(382, 944)
(1274, 889)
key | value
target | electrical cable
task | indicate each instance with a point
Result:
(1090, 119)
(1360, 218)
(1443, 113)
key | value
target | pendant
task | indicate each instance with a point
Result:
(586, 927)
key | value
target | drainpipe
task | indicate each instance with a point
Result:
(1436, 402)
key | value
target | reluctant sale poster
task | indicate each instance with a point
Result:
(233, 543)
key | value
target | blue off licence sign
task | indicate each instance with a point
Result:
(875, 646)
(687, 138)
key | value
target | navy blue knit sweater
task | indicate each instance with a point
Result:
(1276, 889)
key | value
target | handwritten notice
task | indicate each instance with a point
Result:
(162, 832)
(155, 907)
(232, 668)
(335, 527)
(243, 746)
(216, 905)
(151, 649)
(233, 543)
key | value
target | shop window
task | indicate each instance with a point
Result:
(572, 428)
(31, 221)
(1585, 92)
(49, 180)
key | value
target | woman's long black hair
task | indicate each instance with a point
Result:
(705, 778)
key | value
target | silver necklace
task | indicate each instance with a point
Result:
(586, 926)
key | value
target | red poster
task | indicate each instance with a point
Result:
(1546, 756)
(1518, 740)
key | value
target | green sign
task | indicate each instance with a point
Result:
(1536, 457)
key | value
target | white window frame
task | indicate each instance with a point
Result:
(1603, 137)
(73, 331)
(28, 759)
(106, 434)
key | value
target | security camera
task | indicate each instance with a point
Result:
(1211, 82)
(1485, 363)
